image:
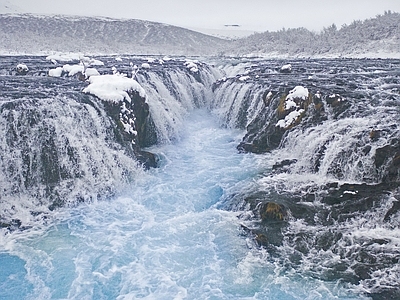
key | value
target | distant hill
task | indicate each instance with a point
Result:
(32, 34)
(376, 37)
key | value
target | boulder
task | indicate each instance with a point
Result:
(272, 212)
(22, 69)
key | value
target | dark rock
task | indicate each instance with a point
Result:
(261, 239)
(385, 294)
(393, 210)
(387, 159)
(134, 114)
(272, 212)
(284, 163)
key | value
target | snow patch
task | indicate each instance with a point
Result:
(113, 88)
(191, 65)
(299, 92)
(145, 66)
(289, 119)
(244, 78)
(57, 72)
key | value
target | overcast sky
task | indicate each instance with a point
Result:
(259, 15)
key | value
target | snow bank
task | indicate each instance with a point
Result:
(91, 72)
(113, 88)
(73, 70)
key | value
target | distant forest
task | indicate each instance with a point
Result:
(376, 35)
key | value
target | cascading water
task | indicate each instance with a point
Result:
(163, 238)
(194, 228)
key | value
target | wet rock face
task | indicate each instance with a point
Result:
(271, 212)
(56, 138)
(132, 123)
(387, 160)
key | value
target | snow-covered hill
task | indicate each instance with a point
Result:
(33, 34)
(376, 37)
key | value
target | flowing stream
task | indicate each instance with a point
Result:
(166, 237)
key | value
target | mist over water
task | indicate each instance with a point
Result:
(166, 237)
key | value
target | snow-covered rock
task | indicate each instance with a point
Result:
(192, 66)
(290, 119)
(113, 88)
(299, 92)
(57, 72)
(91, 72)
(286, 68)
(145, 66)
(22, 69)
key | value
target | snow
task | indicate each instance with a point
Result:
(22, 67)
(56, 72)
(287, 67)
(73, 70)
(145, 66)
(289, 104)
(350, 192)
(113, 88)
(299, 92)
(64, 57)
(95, 62)
(191, 65)
(244, 78)
(91, 72)
(289, 119)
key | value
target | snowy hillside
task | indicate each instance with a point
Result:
(376, 37)
(34, 34)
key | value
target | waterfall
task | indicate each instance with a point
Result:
(268, 184)
(60, 146)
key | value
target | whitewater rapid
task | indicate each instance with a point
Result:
(167, 236)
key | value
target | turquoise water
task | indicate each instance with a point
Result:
(165, 237)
